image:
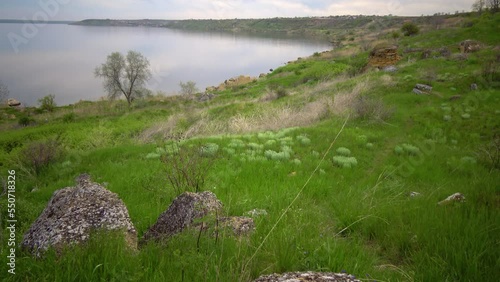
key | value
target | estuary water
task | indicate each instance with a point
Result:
(60, 59)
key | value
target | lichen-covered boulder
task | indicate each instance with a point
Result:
(308, 276)
(73, 213)
(182, 213)
(240, 225)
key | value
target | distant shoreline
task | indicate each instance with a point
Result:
(34, 22)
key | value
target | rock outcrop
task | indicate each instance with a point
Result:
(235, 81)
(308, 276)
(182, 213)
(73, 213)
(420, 89)
(11, 102)
(469, 46)
(384, 55)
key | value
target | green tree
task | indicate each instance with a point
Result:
(124, 75)
(48, 103)
(188, 88)
(410, 29)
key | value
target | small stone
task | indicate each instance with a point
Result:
(418, 92)
(390, 69)
(457, 198)
(256, 213)
(473, 87)
(423, 87)
(414, 194)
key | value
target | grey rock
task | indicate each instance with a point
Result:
(240, 225)
(418, 92)
(73, 213)
(390, 69)
(211, 89)
(181, 214)
(11, 102)
(473, 87)
(308, 276)
(414, 194)
(206, 97)
(423, 87)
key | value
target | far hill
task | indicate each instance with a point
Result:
(316, 26)
(35, 22)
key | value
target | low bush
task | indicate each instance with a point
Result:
(69, 117)
(281, 93)
(410, 29)
(367, 108)
(343, 151)
(345, 162)
(37, 155)
(187, 167)
(25, 120)
(48, 103)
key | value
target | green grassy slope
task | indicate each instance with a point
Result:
(357, 217)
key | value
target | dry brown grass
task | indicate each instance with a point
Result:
(344, 102)
(282, 117)
(272, 118)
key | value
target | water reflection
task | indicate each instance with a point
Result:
(60, 60)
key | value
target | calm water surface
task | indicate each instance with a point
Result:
(60, 59)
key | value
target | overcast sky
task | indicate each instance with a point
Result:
(219, 9)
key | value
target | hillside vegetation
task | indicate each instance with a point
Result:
(346, 160)
(332, 28)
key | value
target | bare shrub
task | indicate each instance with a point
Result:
(344, 101)
(490, 73)
(4, 93)
(186, 167)
(490, 154)
(369, 108)
(189, 88)
(37, 155)
(281, 93)
(273, 93)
